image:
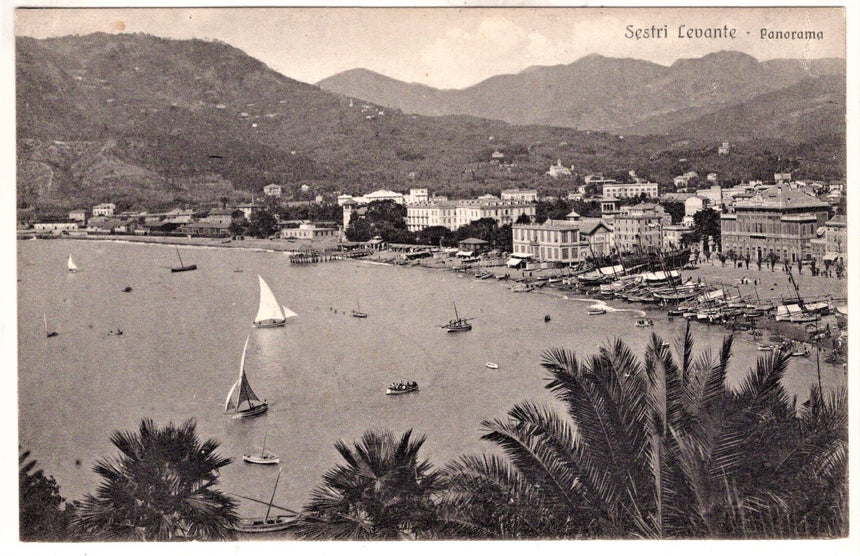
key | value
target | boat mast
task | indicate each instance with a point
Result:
(272, 499)
(456, 315)
(180, 257)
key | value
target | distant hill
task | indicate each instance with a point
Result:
(148, 122)
(599, 93)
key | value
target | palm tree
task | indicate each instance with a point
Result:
(658, 448)
(382, 493)
(43, 514)
(160, 487)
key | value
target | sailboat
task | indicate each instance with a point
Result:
(182, 267)
(71, 264)
(241, 393)
(270, 313)
(50, 334)
(458, 324)
(264, 457)
(266, 525)
(357, 312)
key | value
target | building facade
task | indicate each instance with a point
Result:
(527, 195)
(777, 220)
(556, 241)
(104, 209)
(273, 190)
(640, 227)
(455, 214)
(836, 238)
(628, 190)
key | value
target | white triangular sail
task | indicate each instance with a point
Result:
(270, 310)
(71, 264)
(288, 313)
(241, 391)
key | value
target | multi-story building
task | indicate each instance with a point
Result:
(528, 195)
(672, 235)
(627, 190)
(104, 209)
(273, 190)
(777, 220)
(640, 227)
(78, 215)
(555, 241)
(836, 238)
(454, 214)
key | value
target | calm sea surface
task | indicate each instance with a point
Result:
(324, 374)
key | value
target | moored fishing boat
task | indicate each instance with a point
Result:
(263, 458)
(457, 324)
(644, 322)
(182, 266)
(266, 524)
(596, 311)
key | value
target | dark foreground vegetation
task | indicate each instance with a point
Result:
(654, 447)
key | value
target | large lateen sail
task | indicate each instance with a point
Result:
(270, 312)
(71, 264)
(241, 393)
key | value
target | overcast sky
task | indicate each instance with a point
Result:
(450, 47)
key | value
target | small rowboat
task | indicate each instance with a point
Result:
(491, 365)
(597, 311)
(402, 388)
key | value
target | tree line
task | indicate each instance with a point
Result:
(650, 447)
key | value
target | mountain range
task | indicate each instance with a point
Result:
(623, 95)
(148, 122)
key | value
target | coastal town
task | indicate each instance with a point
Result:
(629, 247)
(321, 274)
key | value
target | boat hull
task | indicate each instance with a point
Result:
(250, 525)
(464, 328)
(270, 324)
(183, 268)
(252, 412)
(394, 392)
(359, 315)
(260, 460)
(492, 365)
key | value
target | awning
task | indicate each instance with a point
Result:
(831, 256)
(514, 262)
(465, 253)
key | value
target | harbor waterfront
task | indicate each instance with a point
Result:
(324, 374)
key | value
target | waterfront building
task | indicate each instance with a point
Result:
(528, 195)
(104, 209)
(672, 235)
(640, 227)
(597, 235)
(554, 241)
(628, 190)
(836, 238)
(455, 214)
(55, 227)
(311, 230)
(777, 220)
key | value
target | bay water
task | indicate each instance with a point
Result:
(324, 374)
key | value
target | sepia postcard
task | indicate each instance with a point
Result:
(543, 273)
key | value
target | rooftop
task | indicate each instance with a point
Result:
(780, 198)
